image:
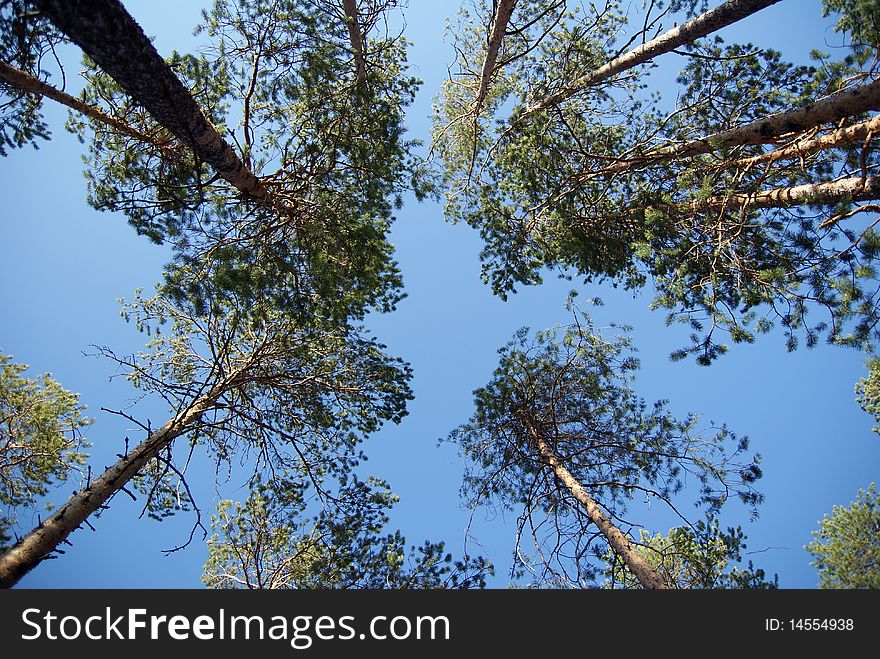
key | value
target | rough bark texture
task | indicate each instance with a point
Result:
(713, 20)
(619, 542)
(499, 27)
(25, 82)
(827, 192)
(832, 109)
(356, 37)
(110, 36)
(28, 552)
(857, 132)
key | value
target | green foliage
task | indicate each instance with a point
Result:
(846, 547)
(256, 321)
(542, 189)
(121, 168)
(860, 21)
(573, 388)
(26, 40)
(868, 391)
(270, 541)
(41, 439)
(496, 168)
(284, 396)
(702, 556)
(723, 267)
(279, 77)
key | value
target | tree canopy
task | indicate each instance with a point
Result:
(269, 542)
(559, 420)
(279, 234)
(735, 202)
(272, 159)
(41, 439)
(846, 548)
(702, 556)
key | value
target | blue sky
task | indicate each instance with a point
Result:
(65, 265)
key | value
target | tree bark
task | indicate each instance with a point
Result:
(33, 548)
(806, 147)
(356, 37)
(26, 83)
(826, 192)
(110, 36)
(502, 16)
(713, 20)
(829, 110)
(618, 541)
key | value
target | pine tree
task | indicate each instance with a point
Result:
(279, 241)
(734, 204)
(239, 381)
(271, 542)
(846, 547)
(41, 440)
(559, 436)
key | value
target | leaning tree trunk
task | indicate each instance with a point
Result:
(499, 27)
(864, 130)
(110, 36)
(33, 548)
(768, 129)
(826, 192)
(25, 82)
(713, 20)
(619, 542)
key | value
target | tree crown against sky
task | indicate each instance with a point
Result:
(846, 547)
(602, 178)
(269, 541)
(327, 146)
(232, 251)
(565, 397)
(253, 347)
(41, 440)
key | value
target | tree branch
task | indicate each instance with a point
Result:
(768, 129)
(356, 37)
(110, 36)
(713, 20)
(502, 16)
(26, 83)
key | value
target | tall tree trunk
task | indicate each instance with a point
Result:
(33, 548)
(768, 129)
(110, 36)
(806, 147)
(826, 192)
(356, 36)
(503, 12)
(618, 541)
(26, 83)
(713, 20)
